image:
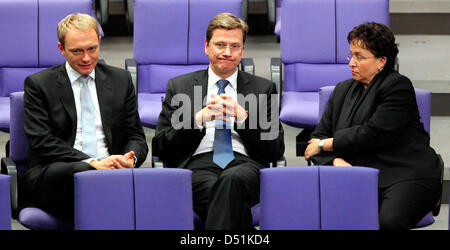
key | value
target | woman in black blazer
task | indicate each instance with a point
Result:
(372, 120)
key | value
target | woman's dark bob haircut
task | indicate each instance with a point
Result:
(378, 39)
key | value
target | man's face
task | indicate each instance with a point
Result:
(225, 51)
(81, 50)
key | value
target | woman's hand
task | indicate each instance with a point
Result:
(312, 149)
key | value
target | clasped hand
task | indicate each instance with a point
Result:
(220, 107)
(115, 161)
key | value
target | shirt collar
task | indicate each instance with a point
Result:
(213, 78)
(74, 75)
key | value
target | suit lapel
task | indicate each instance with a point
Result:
(66, 98)
(243, 86)
(104, 95)
(368, 101)
(200, 80)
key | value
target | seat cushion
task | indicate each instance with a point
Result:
(425, 221)
(37, 219)
(300, 109)
(149, 107)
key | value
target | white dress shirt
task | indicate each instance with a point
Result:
(206, 145)
(102, 150)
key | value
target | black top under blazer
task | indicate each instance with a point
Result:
(176, 146)
(378, 127)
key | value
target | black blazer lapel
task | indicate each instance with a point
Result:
(199, 80)
(67, 99)
(243, 86)
(105, 95)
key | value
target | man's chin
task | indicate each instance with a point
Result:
(228, 68)
(85, 71)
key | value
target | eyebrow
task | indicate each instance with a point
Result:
(91, 47)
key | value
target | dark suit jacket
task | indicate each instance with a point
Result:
(176, 146)
(378, 127)
(50, 120)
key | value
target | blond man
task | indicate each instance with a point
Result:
(78, 116)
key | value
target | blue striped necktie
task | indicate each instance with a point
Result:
(223, 149)
(88, 131)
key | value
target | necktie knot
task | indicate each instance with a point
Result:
(222, 84)
(84, 79)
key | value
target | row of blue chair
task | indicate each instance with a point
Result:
(149, 197)
(291, 198)
(159, 59)
(125, 199)
(169, 41)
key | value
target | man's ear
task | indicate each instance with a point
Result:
(61, 48)
(206, 46)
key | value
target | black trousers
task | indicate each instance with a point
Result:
(403, 204)
(223, 197)
(54, 189)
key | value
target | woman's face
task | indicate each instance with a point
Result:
(363, 63)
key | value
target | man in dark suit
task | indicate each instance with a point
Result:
(78, 116)
(226, 141)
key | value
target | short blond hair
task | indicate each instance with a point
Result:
(76, 21)
(226, 21)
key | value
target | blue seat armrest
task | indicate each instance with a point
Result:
(131, 66)
(248, 65)
(9, 167)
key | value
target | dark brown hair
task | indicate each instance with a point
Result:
(378, 39)
(226, 21)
